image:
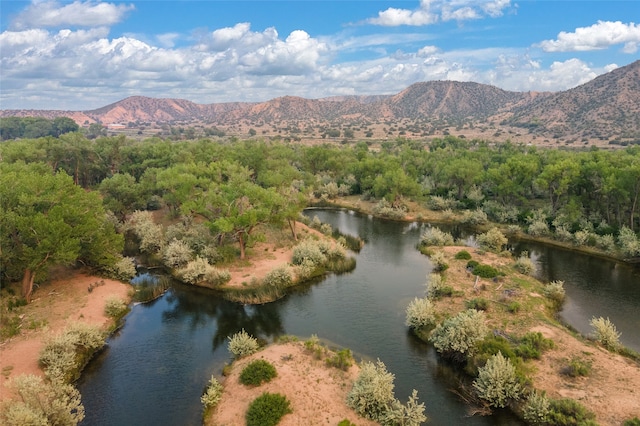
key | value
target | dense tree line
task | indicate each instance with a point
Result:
(586, 197)
(35, 127)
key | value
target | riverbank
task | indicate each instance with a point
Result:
(418, 212)
(55, 305)
(515, 305)
(317, 392)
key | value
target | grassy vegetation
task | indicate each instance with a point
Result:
(257, 373)
(268, 409)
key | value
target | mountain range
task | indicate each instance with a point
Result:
(606, 108)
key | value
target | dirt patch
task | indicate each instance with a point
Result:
(54, 306)
(317, 392)
(611, 389)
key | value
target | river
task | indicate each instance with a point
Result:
(156, 367)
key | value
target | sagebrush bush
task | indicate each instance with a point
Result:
(200, 272)
(485, 271)
(538, 228)
(63, 356)
(492, 240)
(372, 392)
(212, 394)
(310, 252)
(267, 409)
(177, 254)
(436, 287)
(456, 337)
(257, 373)
(536, 409)
(474, 217)
(436, 237)
(606, 333)
(279, 277)
(123, 269)
(629, 242)
(115, 307)
(409, 414)
(242, 344)
(150, 235)
(497, 382)
(524, 264)
(43, 403)
(437, 202)
(439, 261)
(555, 292)
(384, 209)
(420, 313)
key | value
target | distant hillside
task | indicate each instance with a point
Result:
(607, 105)
(606, 108)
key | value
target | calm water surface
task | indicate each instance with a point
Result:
(157, 366)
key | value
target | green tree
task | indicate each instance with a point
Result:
(46, 220)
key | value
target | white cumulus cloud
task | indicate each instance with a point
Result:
(50, 13)
(432, 11)
(598, 36)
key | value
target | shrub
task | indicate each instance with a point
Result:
(524, 264)
(115, 307)
(606, 333)
(456, 337)
(124, 269)
(536, 408)
(569, 412)
(474, 217)
(497, 382)
(149, 234)
(257, 373)
(532, 345)
(267, 409)
(385, 209)
(513, 307)
(420, 313)
(555, 292)
(632, 422)
(492, 240)
(278, 277)
(346, 422)
(200, 272)
(342, 359)
(372, 391)
(411, 414)
(177, 254)
(308, 251)
(436, 237)
(463, 255)
(64, 356)
(439, 261)
(577, 367)
(212, 394)
(477, 303)
(242, 344)
(485, 271)
(472, 264)
(436, 287)
(629, 242)
(538, 228)
(437, 202)
(43, 403)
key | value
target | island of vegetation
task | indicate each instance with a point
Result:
(213, 212)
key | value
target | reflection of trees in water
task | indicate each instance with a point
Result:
(262, 321)
(202, 307)
(197, 305)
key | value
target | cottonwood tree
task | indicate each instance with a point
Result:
(46, 220)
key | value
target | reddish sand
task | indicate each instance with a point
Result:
(58, 303)
(317, 393)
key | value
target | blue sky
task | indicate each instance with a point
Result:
(86, 54)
